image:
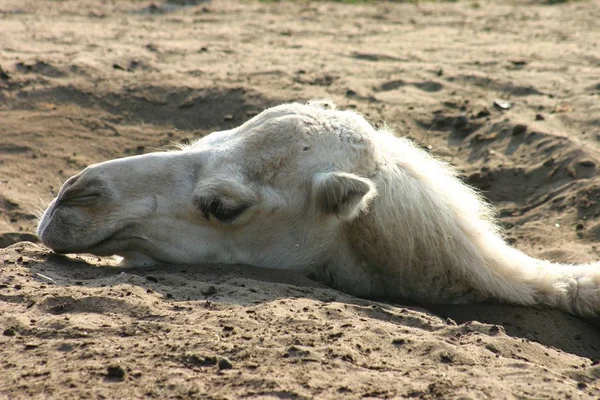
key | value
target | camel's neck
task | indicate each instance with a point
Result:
(425, 230)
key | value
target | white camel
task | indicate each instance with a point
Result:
(316, 190)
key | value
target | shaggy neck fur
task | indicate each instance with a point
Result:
(425, 225)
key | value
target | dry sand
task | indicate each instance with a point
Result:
(84, 81)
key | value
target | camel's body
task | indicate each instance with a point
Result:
(316, 190)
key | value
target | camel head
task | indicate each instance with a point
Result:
(275, 192)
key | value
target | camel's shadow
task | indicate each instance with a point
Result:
(248, 286)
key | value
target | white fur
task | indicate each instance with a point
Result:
(322, 192)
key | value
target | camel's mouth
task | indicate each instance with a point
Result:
(61, 235)
(114, 243)
(100, 246)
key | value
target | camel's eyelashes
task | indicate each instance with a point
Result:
(218, 210)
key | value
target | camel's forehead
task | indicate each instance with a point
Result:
(279, 128)
(272, 128)
(290, 136)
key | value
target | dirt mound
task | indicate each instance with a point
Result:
(232, 331)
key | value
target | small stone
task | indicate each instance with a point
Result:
(483, 113)
(3, 75)
(502, 104)
(209, 291)
(579, 227)
(187, 104)
(587, 163)
(115, 372)
(228, 117)
(9, 332)
(460, 122)
(539, 117)
(519, 129)
(224, 363)
(494, 330)
(446, 358)
(65, 347)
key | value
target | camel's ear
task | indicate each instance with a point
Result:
(342, 194)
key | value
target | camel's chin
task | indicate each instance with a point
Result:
(106, 245)
(132, 258)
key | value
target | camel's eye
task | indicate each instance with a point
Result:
(224, 214)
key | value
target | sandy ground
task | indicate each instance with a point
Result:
(509, 94)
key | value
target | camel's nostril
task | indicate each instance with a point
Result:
(79, 198)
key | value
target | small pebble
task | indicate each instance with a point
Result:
(460, 122)
(209, 291)
(9, 332)
(587, 163)
(519, 129)
(115, 372)
(446, 358)
(494, 330)
(502, 104)
(483, 113)
(539, 117)
(224, 363)
(549, 162)
(66, 347)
